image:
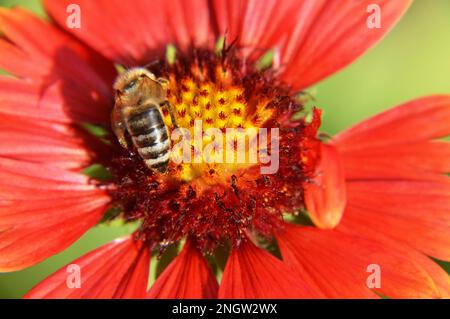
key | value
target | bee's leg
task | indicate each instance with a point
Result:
(170, 109)
(118, 127)
(165, 84)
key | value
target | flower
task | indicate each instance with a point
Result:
(61, 91)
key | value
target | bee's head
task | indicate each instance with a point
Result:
(133, 85)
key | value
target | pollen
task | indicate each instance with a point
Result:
(208, 100)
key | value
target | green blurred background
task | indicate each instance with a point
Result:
(412, 61)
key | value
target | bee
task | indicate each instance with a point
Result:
(139, 99)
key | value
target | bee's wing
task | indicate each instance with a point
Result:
(118, 125)
(154, 90)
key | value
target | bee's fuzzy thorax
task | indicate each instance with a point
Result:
(129, 75)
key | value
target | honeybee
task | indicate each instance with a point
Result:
(139, 97)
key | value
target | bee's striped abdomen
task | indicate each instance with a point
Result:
(150, 136)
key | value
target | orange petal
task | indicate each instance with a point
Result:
(325, 197)
(414, 212)
(135, 281)
(58, 145)
(43, 210)
(254, 273)
(135, 35)
(56, 75)
(396, 175)
(187, 277)
(37, 101)
(415, 121)
(44, 48)
(116, 270)
(325, 36)
(339, 263)
(425, 160)
(312, 38)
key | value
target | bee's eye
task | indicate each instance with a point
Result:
(130, 86)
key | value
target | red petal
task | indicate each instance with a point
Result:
(45, 142)
(254, 273)
(415, 121)
(55, 103)
(412, 161)
(187, 277)
(62, 75)
(116, 270)
(302, 31)
(43, 210)
(395, 171)
(339, 264)
(332, 35)
(417, 213)
(313, 38)
(325, 197)
(397, 144)
(47, 48)
(139, 33)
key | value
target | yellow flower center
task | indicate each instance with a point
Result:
(210, 108)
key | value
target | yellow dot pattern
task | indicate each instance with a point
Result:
(219, 104)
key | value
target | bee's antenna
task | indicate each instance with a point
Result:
(226, 48)
(151, 63)
(120, 68)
